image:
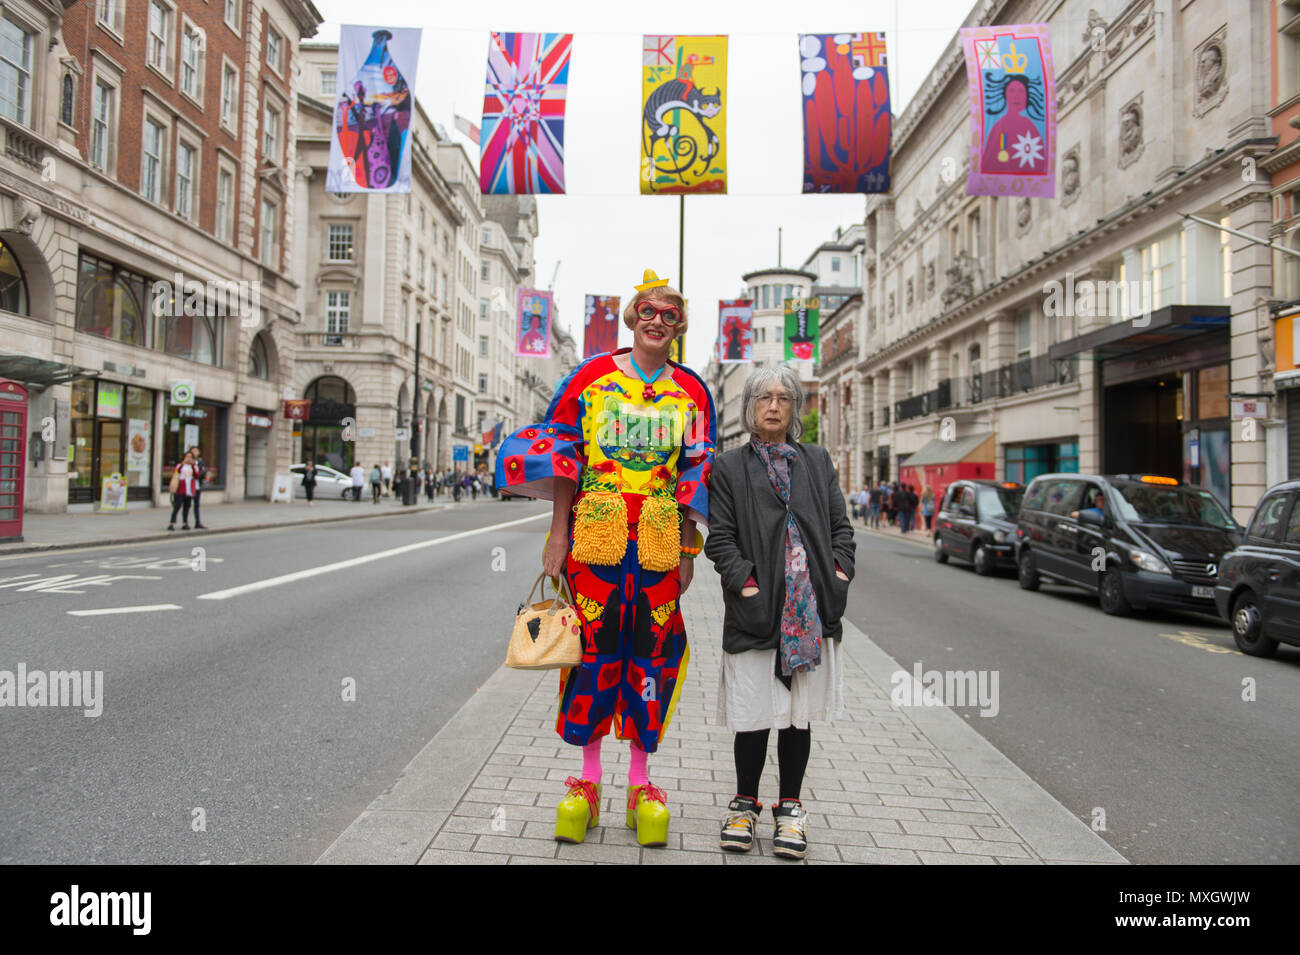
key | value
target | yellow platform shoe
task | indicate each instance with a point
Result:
(647, 813)
(578, 811)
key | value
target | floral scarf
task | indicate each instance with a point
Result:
(801, 627)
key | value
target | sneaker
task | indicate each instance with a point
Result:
(185, 527)
(171, 527)
(738, 826)
(790, 838)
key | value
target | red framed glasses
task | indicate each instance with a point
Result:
(671, 314)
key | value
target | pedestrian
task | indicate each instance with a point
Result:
(358, 475)
(200, 477)
(623, 535)
(906, 505)
(873, 502)
(890, 505)
(853, 502)
(387, 473)
(376, 483)
(927, 507)
(473, 487)
(309, 481)
(456, 488)
(183, 479)
(429, 485)
(786, 561)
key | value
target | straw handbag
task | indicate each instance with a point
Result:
(547, 634)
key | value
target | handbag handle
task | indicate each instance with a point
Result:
(561, 596)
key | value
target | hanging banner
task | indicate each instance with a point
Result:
(370, 148)
(683, 120)
(846, 119)
(601, 325)
(533, 330)
(801, 328)
(521, 148)
(735, 330)
(1012, 89)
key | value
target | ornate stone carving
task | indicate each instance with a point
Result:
(1091, 37)
(929, 278)
(1130, 131)
(909, 294)
(1211, 72)
(961, 280)
(889, 309)
(1024, 215)
(25, 215)
(1070, 180)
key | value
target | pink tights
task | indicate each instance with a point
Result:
(591, 769)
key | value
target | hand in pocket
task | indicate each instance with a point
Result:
(748, 591)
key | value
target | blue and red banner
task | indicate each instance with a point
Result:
(535, 312)
(600, 334)
(735, 330)
(522, 143)
(846, 119)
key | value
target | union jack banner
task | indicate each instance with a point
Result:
(522, 145)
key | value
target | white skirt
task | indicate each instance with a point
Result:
(750, 697)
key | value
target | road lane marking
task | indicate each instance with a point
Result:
(1200, 641)
(145, 609)
(358, 561)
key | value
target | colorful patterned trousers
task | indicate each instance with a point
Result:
(634, 656)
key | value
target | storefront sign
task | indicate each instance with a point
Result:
(191, 435)
(365, 432)
(108, 403)
(183, 394)
(258, 421)
(296, 409)
(112, 494)
(1250, 408)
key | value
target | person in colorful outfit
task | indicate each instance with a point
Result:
(783, 546)
(625, 454)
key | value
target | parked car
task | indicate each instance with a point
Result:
(1137, 541)
(329, 482)
(977, 522)
(1258, 590)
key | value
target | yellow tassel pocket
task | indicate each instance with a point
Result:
(659, 534)
(600, 528)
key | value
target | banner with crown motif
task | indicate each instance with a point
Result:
(1012, 86)
(370, 146)
(533, 331)
(683, 115)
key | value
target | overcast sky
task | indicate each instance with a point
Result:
(603, 233)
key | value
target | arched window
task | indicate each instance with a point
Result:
(66, 102)
(330, 388)
(13, 286)
(112, 302)
(259, 366)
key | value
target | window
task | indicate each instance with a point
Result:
(274, 50)
(482, 346)
(406, 254)
(419, 272)
(485, 271)
(229, 96)
(328, 83)
(67, 101)
(159, 41)
(337, 309)
(973, 223)
(192, 64)
(482, 384)
(487, 236)
(108, 13)
(13, 286)
(102, 113)
(15, 72)
(259, 365)
(151, 168)
(433, 281)
(1023, 333)
(835, 263)
(225, 204)
(339, 248)
(112, 302)
(271, 134)
(1293, 526)
(185, 169)
(421, 217)
(406, 319)
(1162, 263)
(232, 14)
(482, 309)
(270, 234)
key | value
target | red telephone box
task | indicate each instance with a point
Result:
(13, 458)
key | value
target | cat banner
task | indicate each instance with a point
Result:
(846, 119)
(801, 316)
(735, 331)
(370, 148)
(683, 115)
(521, 151)
(533, 329)
(1013, 110)
(601, 326)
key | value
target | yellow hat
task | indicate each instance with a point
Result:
(650, 280)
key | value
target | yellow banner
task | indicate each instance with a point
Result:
(683, 120)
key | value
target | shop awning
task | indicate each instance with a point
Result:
(1170, 324)
(41, 372)
(940, 451)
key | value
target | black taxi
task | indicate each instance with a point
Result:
(1258, 590)
(977, 522)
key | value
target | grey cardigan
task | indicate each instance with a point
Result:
(747, 536)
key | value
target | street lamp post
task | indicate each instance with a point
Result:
(408, 488)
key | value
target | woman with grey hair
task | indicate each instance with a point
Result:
(783, 545)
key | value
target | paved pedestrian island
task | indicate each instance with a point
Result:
(886, 785)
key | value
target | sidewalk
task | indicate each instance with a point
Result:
(884, 785)
(86, 529)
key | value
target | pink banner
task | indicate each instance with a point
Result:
(1012, 88)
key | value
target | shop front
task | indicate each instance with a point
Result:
(1286, 382)
(112, 433)
(202, 424)
(1164, 390)
(332, 399)
(257, 448)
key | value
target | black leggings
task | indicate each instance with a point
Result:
(179, 501)
(792, 749)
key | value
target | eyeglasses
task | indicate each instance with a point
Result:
(670, 314)
(781, 400)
